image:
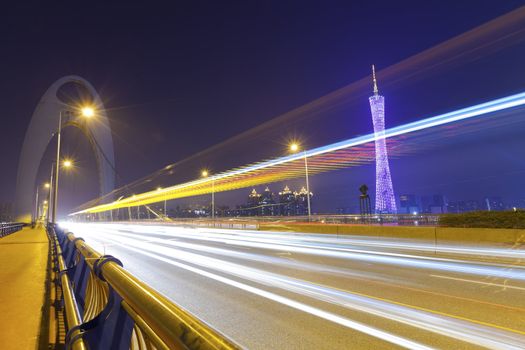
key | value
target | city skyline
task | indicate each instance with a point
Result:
(263, 175)
(406, 102)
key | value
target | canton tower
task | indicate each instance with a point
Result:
(385, 200)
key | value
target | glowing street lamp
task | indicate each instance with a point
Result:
(205, 173)
(87, 112)
(46, 185)
(160, 189)
(43, 209)
(66, 164)
(294, 147)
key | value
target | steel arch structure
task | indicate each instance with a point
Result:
(43, 125)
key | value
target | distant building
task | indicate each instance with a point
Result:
(253, 204)
(435, 204)
(267, 203)
(385, 201)
(6, 212)
(408, 204)
(519, 204)
(493, 204)
(343, 210)
(286, 203)
(301, 201)
(463, 206)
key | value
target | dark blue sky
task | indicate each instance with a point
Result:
(179, 78)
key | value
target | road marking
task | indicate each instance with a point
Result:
(144, 237)
(490, 325)
(446, 295)
(426, 310)
(479, 282)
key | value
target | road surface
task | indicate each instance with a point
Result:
(271, 290)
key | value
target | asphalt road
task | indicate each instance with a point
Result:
(269, 290)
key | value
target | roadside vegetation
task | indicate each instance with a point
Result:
(485, 219)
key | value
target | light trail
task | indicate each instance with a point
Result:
(341, 252)
(165, 244)
(316, 240)
(290, 303)
(209, 237)
(330, 157)
(503, 286)
(443, 325)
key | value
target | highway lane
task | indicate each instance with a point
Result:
(270, 290)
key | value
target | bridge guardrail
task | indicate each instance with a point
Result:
(118, 311)
(252, 222)
(8, 228)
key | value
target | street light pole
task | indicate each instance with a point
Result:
(165, 214)
(50, 194)
(87, 112)
(213, 199)
(55, 201)
(294, 147)
(205, 173)
(307, 185)
(36, 205)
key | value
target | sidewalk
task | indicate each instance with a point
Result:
(23, 268)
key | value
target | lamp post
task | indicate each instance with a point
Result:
(44, 207)
(55, 196)
(35, 218)
(294, 147)
(46, 185)
(205, 173)
(50, 194)
(86, 112)
(165, 214)
(65, 164)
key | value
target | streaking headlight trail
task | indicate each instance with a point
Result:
(287, 269)
(334, 156)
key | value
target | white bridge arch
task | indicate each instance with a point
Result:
(42, 127)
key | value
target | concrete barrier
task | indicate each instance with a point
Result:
(480, 235)
(439, 235)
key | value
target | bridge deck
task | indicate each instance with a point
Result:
(23, 268)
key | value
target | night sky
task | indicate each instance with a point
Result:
(181, 78)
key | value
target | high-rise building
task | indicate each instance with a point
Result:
(267, 203)
(301, 201)
(438, 204)
(286, 202)
(253, 203)
(6, 212)
(408, 204)
(385, 200)
(493, 204)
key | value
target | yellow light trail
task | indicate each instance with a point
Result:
(352, 152)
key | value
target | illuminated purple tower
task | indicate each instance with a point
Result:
(385, 200)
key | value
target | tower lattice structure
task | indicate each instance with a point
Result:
(385, 200)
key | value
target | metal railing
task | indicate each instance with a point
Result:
(8, 228)
(106, 307)
(253, 222)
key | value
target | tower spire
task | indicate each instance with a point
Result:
(376, 91)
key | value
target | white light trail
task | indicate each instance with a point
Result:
(289, 302)
(168, 250)
(447, 118)
(339, 252)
